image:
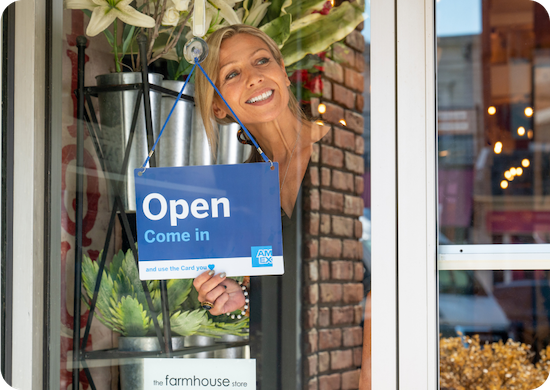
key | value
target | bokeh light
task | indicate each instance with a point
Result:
(492, 110)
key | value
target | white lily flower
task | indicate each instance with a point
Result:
(181, 5)
(226, 10)
(104, 12)
(171, 17)
(257, 13)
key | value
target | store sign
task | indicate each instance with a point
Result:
(221, 217)
(199, 373)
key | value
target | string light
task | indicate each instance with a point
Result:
(513, 171)
(504, 184)
(519, 171)
(528, 112)
(492, 110)
(320, 123)
(525, 163)
(508, 175)
(343, 122)
(530, 134)
(521, 131)
(498, 147)
(322, 108)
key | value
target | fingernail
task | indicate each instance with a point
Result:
(222, 275)
(211, 272)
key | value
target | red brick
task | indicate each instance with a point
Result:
(312, 271)
(342, 316)
(325, 224)
(332, 292)
(359, 102)
(353, 293)
(330, 339)
(358, 271)
(342, 226)
(356, 40)
(332, 201)
(312, 294)
(354, 80)
(355, 163)
(341, 359)
(311, 317)
(327, 89)
(324, 270)
(343, 96)
(311, 249)
(357, 356)
(354, 121)
(324, 317)
(311, 223)
(330, 247)
(311, 340)
(333, 114)
(330, 382)
(358, 229)
(310, 365)
(344, 139)
(315, 153)
(359, 185)
(359, 145)
(343, 181)
(352, 249)
(332, 156)
(353, 205)
(350, 380)
(353, 337)
(311, 178)
(359, 311)
(325, 177)
(334, 71)
(324, 362)
(312, 384)
(343, 55)
(342, 270)
(314, 106)
(311, 200)
(360, 63)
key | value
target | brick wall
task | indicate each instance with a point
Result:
(333, 269)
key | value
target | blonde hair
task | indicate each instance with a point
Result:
(204, 93)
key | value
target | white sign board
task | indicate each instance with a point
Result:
(199, 374)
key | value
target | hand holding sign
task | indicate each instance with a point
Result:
(224, 293)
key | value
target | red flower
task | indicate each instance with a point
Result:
(326, 9)
(315, 85)
(299, 76)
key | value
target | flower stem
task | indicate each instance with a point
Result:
(115, 47)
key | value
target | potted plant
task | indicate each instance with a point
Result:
(121, 306)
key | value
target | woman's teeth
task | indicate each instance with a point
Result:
(261, 97)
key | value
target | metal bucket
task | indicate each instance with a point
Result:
(230, 353)
(200, 153)
(116, 111)
(173, 146)
(199, 341)
(230, 150)
(132, 374)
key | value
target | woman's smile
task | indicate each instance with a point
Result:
(261, 98)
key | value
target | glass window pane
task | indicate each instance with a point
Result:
(493, 62)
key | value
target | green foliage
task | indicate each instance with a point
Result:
(122, 305)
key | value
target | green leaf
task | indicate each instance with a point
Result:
(130, 270)
(308, 62)
(304, 7)
(178, 291)
(186, 323)
(90, 270)
(116, 263)
(217, 329)
(314, 33)
(278, 29)
(276, 8)
(127, 38)
(131, 317)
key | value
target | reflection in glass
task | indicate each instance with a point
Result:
(493, 63)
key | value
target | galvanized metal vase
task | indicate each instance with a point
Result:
(116, 109)
(230, 150)
(132, 372)
(200, 152)
(175, 141)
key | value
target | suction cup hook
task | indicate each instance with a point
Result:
(195, 49)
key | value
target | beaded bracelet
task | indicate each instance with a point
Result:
(246, 301)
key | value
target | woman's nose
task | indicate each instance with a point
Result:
(254, 78)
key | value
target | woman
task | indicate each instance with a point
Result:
(247, 67)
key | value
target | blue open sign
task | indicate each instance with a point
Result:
(222, 217)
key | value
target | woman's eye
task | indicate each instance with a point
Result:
(262, 61)
(231, 75)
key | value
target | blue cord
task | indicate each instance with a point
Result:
(235, 116)
(167, 119)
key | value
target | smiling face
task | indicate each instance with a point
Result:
(251, 81)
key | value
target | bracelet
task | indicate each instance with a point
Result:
(245, 307)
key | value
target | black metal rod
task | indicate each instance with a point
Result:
(94, 91)
(166, 318)
(88, 375)
(130, 238)
(95, 140)
(81, 44)
(116, 190)
(142, 42)
(93, 116)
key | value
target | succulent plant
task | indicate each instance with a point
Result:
(122, 307)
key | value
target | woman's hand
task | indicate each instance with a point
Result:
(225, 294)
